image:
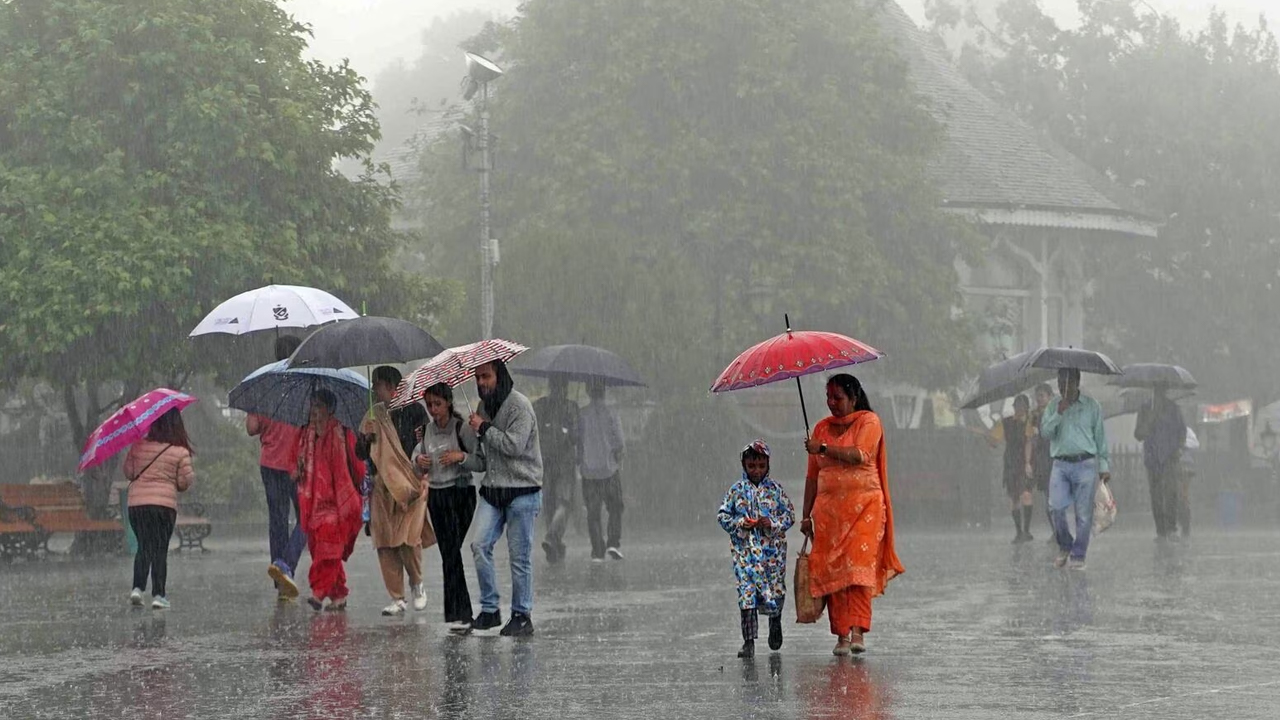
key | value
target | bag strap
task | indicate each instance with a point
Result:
(153, 462)
(804, 549)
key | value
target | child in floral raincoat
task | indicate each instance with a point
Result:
(757, 513)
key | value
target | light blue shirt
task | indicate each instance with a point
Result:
(1078, 431)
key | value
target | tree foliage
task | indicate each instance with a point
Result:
(672, 177)
(158, 157)
(1187, 121)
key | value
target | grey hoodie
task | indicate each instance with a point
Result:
(509, 454)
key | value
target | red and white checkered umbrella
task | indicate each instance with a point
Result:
(453, 367)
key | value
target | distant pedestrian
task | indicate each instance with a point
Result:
(1041, 460)
(398, 497)
(1078, 442)
(558, 434)
(446, 442)
(848, 513)
(158, 468)
(1186, 473)
(757, 513)
(511, 496)
(600, 452)
(328, 472)
(1162, 432)
(1016, 434)
(278, 458)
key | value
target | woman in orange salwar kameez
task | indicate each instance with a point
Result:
(329, 505)
(848, 513)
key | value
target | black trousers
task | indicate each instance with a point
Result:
(451, 511)
(605, 493)
(1164, 499)
(153, 524)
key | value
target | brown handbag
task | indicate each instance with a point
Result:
(808, 608)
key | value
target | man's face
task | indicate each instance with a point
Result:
(1068, 384)
(1043, 397)
(486, 380)
(384, 392)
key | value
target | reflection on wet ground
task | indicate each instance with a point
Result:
(976, 629)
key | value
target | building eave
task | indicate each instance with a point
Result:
(1103, 221)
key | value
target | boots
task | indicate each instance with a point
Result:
(1026, 523)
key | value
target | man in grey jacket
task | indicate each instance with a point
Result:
(510, 496)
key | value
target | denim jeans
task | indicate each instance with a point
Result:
(518, 520)
(1073, 484)
(282, 493)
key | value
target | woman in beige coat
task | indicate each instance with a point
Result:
(158, 468)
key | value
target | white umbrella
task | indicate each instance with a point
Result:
(273, 307)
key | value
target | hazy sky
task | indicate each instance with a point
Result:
(373, 33)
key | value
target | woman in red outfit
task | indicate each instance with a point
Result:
(329, 503)
(848, 514)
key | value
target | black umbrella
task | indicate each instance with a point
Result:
(1131, 400)
(1057, 358)
(581, 363)
(1006, 379)
(1149, 375)
(365, 341)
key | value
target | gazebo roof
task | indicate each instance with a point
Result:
(996, 166)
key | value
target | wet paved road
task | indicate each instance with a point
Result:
(977, 629)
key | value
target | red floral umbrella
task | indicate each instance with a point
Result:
(793, 355)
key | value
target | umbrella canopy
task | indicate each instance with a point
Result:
(284, 394)
(129, 424)
(1005, 379)
(580, 363)
(273, 307)
(454, 367)
(1131, 400)
(1150, 375)
(365, 341)
(1057, 358)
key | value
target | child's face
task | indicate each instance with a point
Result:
(756, 468)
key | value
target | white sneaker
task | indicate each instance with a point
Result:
(419, 597)
(135, 597)
(614, 553)
(395, 608)
(159, 602)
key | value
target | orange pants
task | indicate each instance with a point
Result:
(849, 608)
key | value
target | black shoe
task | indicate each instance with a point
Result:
(748, 649)
(775, 632)
(550, 550)
(520, 626)
(487, 621)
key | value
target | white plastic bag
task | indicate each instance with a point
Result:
(1104, 509)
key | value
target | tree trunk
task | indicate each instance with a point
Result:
(95, 483)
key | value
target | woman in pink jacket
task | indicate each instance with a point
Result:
(158, 468)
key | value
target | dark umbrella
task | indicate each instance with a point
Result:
(1131, 400)
(1149, 375)
(581, 363)
(365, 341)
(1057, 358)
(1006, 379)
(284, 395)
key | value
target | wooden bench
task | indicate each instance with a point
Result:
(19, 535)
(58, 508)
(193, 526)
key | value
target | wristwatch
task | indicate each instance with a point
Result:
(822, 449)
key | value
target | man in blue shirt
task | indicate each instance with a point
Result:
(1078, 443)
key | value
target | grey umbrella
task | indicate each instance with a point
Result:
(581, 363)
(1006, 379)
(365, 341)
(1149, 375)
(285, 395)
(1058, 358)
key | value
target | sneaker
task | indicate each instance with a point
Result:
(419, 597)
(857, 644)
(459, 626)
(748, 649)
(159, 602)
(842, 647)
(285, 585)
(597, 558)
(395, 608)
(135, 597)
(614, 553)
(316, 603)
(487, 621)
(520, 626)
(775, 632)
(1061, 559)
(1075, 564)
(338, 605)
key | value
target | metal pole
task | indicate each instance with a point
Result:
(486, 243)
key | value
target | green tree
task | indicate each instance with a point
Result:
(157, 157)
(1186, 121)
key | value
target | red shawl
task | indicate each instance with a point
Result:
(329, 506)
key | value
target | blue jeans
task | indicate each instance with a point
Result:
(518, 520)
(282, 493)
(1073, 484)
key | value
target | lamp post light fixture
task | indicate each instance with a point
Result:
(480, 72)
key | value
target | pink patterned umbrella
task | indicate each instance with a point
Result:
(453, 367)
(129, 424)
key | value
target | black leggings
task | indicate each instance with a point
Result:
(451, 512)
(153, 524)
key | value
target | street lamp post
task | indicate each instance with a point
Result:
(480, 72)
